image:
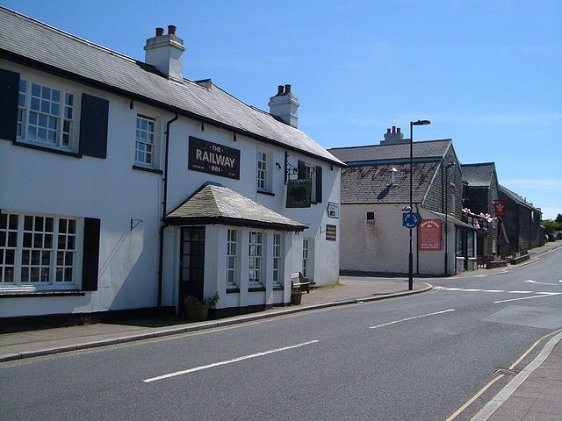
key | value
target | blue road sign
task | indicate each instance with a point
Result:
(410, 220)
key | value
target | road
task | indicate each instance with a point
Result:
(424, 357)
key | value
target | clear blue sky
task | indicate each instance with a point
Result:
(487, 73)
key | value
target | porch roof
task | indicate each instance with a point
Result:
(213, 204)
(452, 219)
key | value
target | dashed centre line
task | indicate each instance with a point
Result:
(234, 360)
(411, 318)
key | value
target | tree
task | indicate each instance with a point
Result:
(552, 227)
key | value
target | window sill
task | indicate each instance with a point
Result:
(256, 289)
(278, 288)
(267, 193)
(26, 294)
(233, 290)
(47, 149)
(152, 170)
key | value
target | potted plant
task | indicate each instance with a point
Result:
(198, 310)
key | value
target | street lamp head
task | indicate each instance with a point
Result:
(421, 123)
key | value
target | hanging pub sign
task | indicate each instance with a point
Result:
(299, 193)
(499, 208)
(429, 235)
(212, 158)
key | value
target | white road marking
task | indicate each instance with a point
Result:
(234, 360)
(411, 318)
(542, 283)
(520, 292)
(522, 298)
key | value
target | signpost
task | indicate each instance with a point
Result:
(410, 219)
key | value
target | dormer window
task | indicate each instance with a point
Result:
(392, 175)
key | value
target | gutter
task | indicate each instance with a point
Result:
(163, 224)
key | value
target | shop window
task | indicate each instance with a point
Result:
(232, 272)
(256, 259)
(277, 261)
(41, 251)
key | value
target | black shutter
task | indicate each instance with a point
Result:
(91, 253)
(93, 126)
(301, 170)
(9, 91)
(318, 184)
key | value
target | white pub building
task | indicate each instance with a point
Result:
(125, 187)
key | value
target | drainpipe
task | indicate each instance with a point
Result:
(163, 225)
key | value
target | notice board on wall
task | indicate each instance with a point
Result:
(430, 235)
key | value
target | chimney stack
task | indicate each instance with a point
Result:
(165, 53)
(394, 136)
(285, 105)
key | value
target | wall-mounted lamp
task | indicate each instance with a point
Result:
(234, 137)
(278, 165)
(202, 126)
(131, 105)
(135, 223)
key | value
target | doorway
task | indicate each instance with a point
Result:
(192, 263)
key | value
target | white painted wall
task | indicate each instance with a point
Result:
(383, 245)
(110, 189)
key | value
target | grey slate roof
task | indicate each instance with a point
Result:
(214, 204)
(34, 42)
(516, 198)
(366, 179)
(478, 175)
(391, 153)
(371, 184)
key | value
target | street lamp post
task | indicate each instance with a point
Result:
(410, 255)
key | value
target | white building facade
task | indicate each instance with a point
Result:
(126, 187)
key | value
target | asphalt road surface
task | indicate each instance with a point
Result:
(430, 356)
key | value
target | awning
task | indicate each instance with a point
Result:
(454, 220)
(213, 204)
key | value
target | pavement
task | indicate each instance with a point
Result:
(535, 393)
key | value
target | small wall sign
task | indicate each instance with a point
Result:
(331, 232)
(333, 210)
(212, 158)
